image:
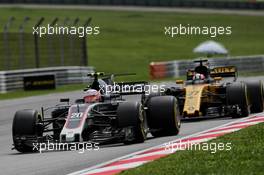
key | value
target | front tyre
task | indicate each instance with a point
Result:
(237, 95)
(163, 116)
(256, 99)
(130, 115)
(26, 129)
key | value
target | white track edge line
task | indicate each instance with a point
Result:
(116, 167)
(147, 149)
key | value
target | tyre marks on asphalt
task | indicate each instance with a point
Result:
(137, 159)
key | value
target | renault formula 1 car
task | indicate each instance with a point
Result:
(97, 117)
(205, 95)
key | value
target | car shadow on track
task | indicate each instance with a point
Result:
(198, 119)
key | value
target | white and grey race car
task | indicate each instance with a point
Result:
(97, 118)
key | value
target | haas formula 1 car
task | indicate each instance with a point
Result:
(204, 95)
(98, 117)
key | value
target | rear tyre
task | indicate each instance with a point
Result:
(148, 97)
(237, 95)
(255, 91)
(130, 114)
(58, 124)
(25, 124)
(163, 116)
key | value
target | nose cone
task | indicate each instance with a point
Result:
(192, 102)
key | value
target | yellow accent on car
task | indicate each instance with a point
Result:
(193, 99)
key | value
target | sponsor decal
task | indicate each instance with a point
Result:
(40, 82)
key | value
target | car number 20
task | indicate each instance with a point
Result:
(76, 115)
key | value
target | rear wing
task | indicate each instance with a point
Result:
(224, 71)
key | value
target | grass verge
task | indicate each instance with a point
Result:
(129, 41)
(245, 157)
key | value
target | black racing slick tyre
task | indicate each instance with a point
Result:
(256, 99)
(150, 96)
(237, 95)
(130, 115)
(25, 129)
(163, 116)
(58, 115)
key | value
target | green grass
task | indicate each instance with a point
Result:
(250, 74)
(245, 157)
(129, 41)
(21, 93)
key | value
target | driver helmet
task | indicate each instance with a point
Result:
(92, 96)
(198, 76)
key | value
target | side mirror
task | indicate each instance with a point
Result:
(64, 100)
(179, 81)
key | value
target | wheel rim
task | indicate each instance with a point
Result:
(175, 112)
(142, 121)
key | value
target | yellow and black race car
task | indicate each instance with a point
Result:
(204, 94)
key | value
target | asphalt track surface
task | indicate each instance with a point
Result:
(64, 162)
